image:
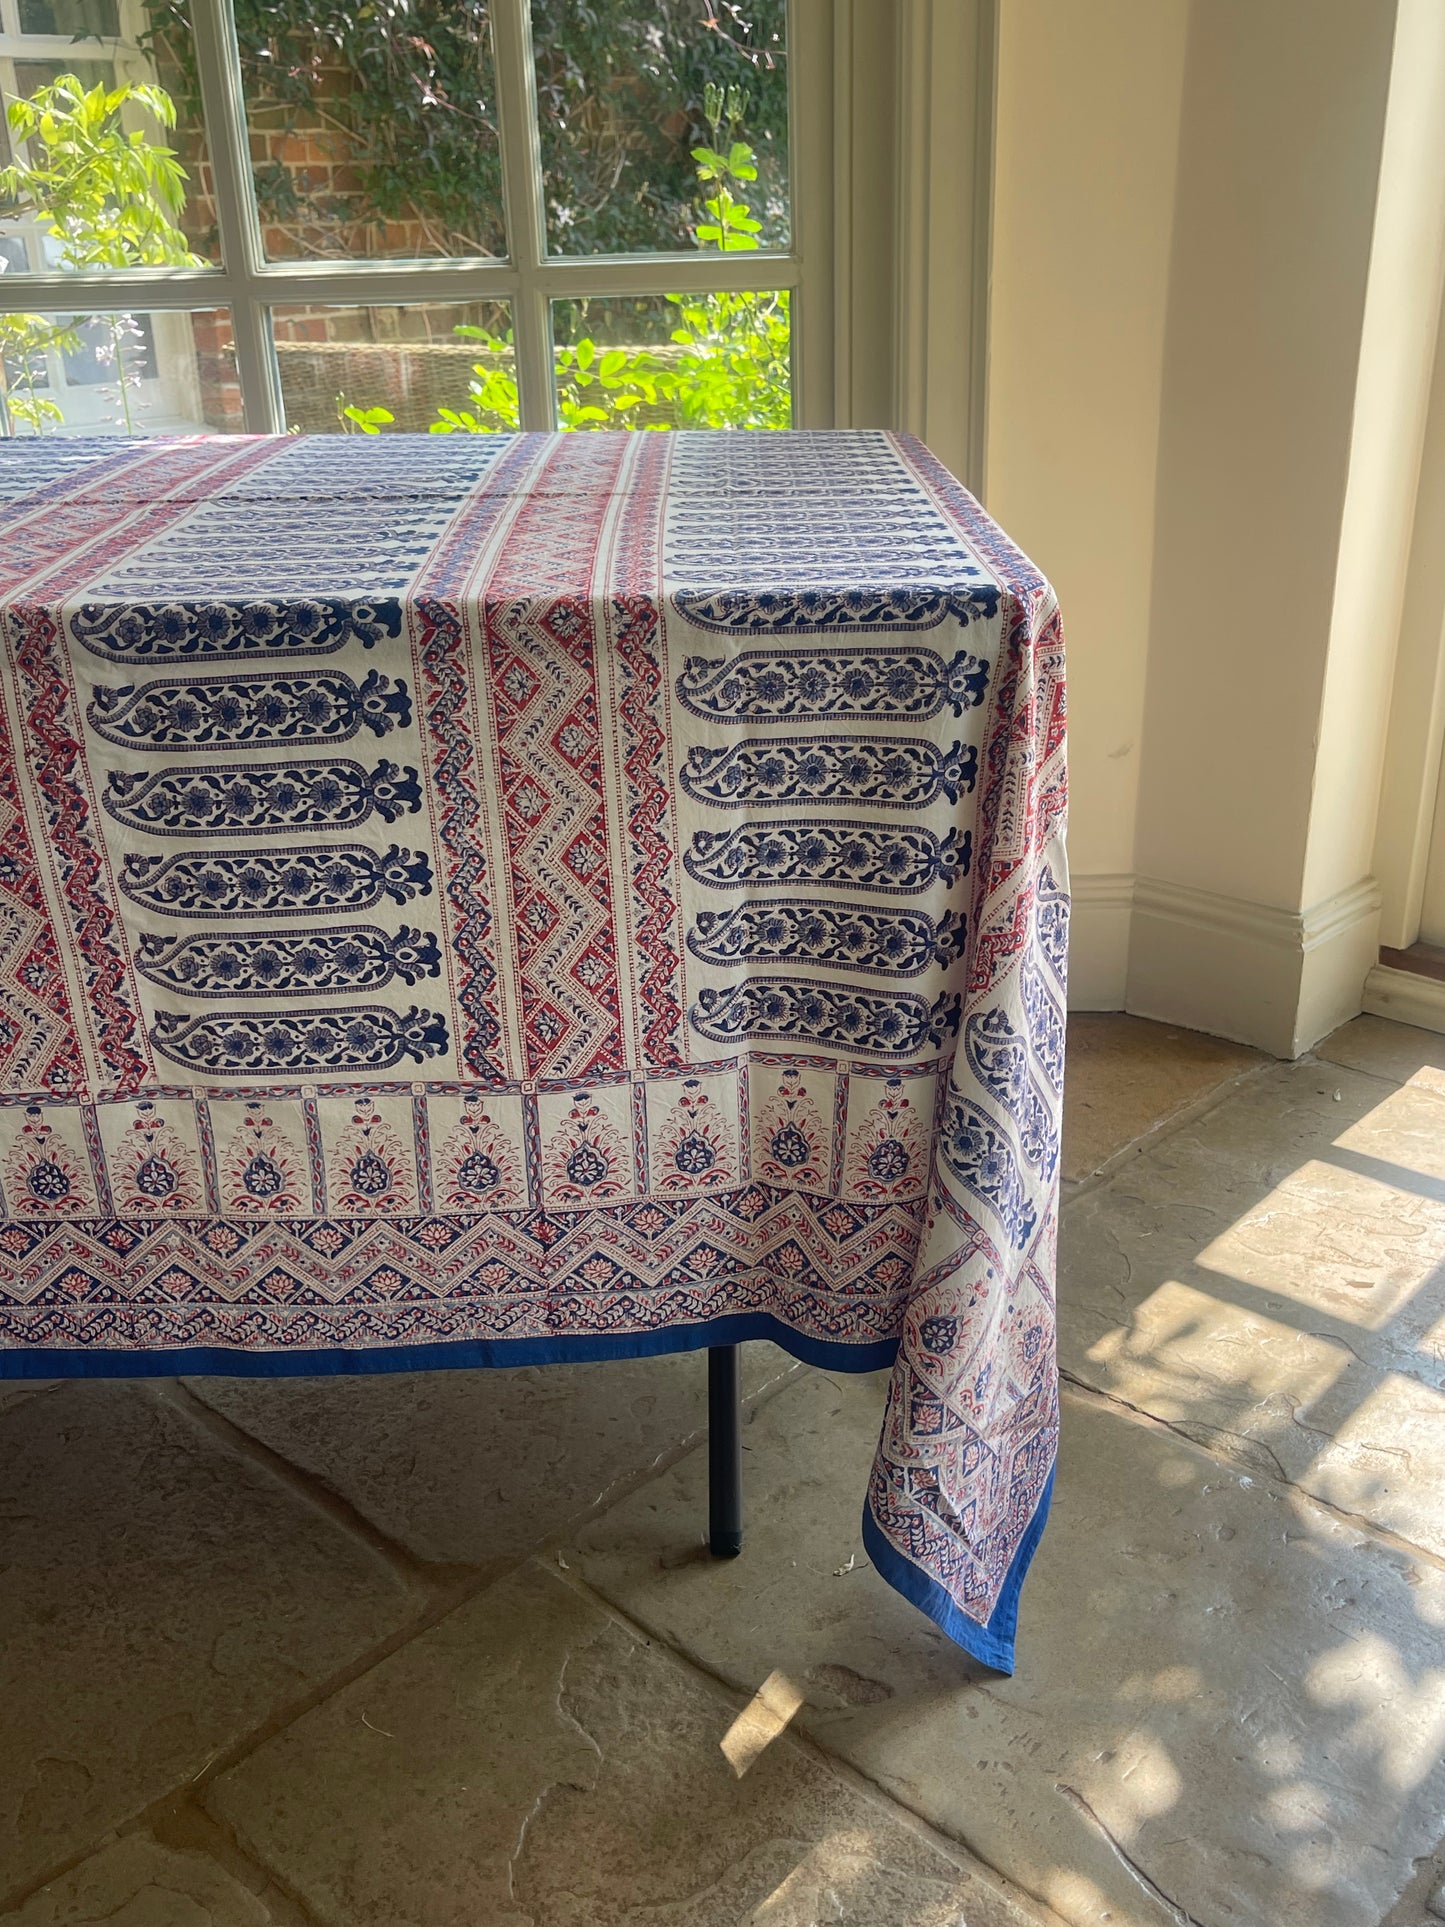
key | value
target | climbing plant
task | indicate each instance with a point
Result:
(403, 91)
(109, 196)
(26, 341)
(621, 87)
(729, 363)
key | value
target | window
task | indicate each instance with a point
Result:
(459, 215)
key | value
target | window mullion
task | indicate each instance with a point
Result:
(218, 67)
(522, 199)
(812, 32)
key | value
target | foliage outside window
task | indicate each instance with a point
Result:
(398, 98)
(644, 149)
(109, 198)
(727, 364)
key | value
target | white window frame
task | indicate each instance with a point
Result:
(1409, 861)
(168, 393)
(529, 279)
(890, 144)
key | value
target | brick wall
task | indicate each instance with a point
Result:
(310, 189)
(412, 379)
(306, 154)
(405, 359)
(216, 369)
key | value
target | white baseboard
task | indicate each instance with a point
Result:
(1277, 979)
(1099, 940)
(1405, 997)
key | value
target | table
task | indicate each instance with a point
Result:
(485, 900)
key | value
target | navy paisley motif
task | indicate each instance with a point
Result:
(264, 964)
(897, 862)
(177, 630)
(246, 799)
(998, 1057)
(900, 775)
(891, 943)
(1046, 1026)
(238, 1044)
(760, 686)
(859, 1022)
(815, 540)
(1052, 918)
(978, 1154)
(808, 612)
(293, 882)
(181, 713)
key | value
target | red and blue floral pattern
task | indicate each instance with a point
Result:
(714, 988)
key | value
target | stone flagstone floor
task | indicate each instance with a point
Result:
(445, 1650)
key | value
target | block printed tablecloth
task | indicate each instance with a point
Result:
(498, 899)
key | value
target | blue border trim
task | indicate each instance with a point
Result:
(993, 1643)
(566, 1348)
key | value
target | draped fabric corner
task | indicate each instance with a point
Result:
(498, 899)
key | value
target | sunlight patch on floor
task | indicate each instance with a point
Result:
(764, 1717)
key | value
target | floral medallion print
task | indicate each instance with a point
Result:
(43, 1176)
(262, 1172)
(478, 1167)
(790, 1142)
(695, 1148)
(370, 1168)
(587, 1160)
(887, 1155)
(155, 1171)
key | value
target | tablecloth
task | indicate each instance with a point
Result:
(496, 899)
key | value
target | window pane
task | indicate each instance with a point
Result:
(373, 128)
(107, 202)
(164, 373)
(674, 361)
(624, 93)
(399, 368)
(76, 19)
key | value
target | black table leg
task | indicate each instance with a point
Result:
(724, 1451)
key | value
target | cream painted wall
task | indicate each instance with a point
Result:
(1412, 793)
(1282, 128)
(1219, 237)
(1087, 131)
(1392, 405)
(1282, 134)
